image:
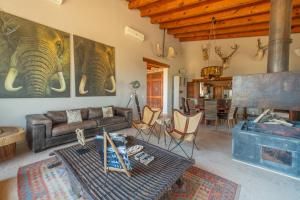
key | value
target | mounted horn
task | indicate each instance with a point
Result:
(82, 84)
(113, 83)
(10, 79)
(226, 58)
(62, 83)
(261, 50)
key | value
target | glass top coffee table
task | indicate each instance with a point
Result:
(146, 182)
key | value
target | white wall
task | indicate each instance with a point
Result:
(241, 63)
(99, 20)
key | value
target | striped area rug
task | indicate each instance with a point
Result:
(37, 182)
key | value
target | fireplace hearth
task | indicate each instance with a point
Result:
(268, 147)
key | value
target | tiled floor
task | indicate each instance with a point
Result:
(214, 156)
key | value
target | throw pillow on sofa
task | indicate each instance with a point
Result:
(107, 112)
(74, 116)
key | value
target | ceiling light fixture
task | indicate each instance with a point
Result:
(161, 51)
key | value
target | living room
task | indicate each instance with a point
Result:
(241, 58)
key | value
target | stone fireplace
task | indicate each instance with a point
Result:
(271, 146)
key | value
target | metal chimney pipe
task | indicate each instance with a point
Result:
(279, 36)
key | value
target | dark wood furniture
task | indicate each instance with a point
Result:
(218, 85)
(8, 138)
(146, 182)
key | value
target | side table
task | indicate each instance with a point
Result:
(8, 138)
(163, 122)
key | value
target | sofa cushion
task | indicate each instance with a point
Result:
(64, 128)
(107, 112)
(95, 113)
(57, 116)
(84, 113)
(110, 120)
(74, 116)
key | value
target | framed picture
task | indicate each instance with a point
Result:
(34, 59)
(94, 68)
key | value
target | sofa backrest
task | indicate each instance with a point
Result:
(60, 116)
(95, 112)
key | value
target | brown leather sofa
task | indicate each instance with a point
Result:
(51, 129)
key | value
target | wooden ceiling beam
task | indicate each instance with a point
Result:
(223, 24)
(167, 6)
(250, 20)
(237, 29)
(133, 4)
(295, 29)
(202, 10)
(225, 15)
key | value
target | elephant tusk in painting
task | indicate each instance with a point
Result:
(82, 85)
(10, 79)
(61, 82)
(113, 83)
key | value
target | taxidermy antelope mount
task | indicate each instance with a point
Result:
(226, 58)
(205, 51)
(261, 50)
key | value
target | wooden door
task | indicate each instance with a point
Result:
(218, 92)
(193, 89)
(155, 90)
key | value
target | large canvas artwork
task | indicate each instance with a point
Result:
(94, 68)
(34, 59)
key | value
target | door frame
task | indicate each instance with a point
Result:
(156, 64)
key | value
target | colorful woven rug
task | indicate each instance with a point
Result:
(37, 182)
(202, 185)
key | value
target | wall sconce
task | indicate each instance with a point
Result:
(297, 51)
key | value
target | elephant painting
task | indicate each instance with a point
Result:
(94, 68)
(34, 59)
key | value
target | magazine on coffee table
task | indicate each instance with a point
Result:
(112, 159)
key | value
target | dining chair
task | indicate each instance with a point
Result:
(184, 129)
(231, 117)
(184, 105)
(191, 106)
(147, 124)
(211, 112)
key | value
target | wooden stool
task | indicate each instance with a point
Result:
(8, 138)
